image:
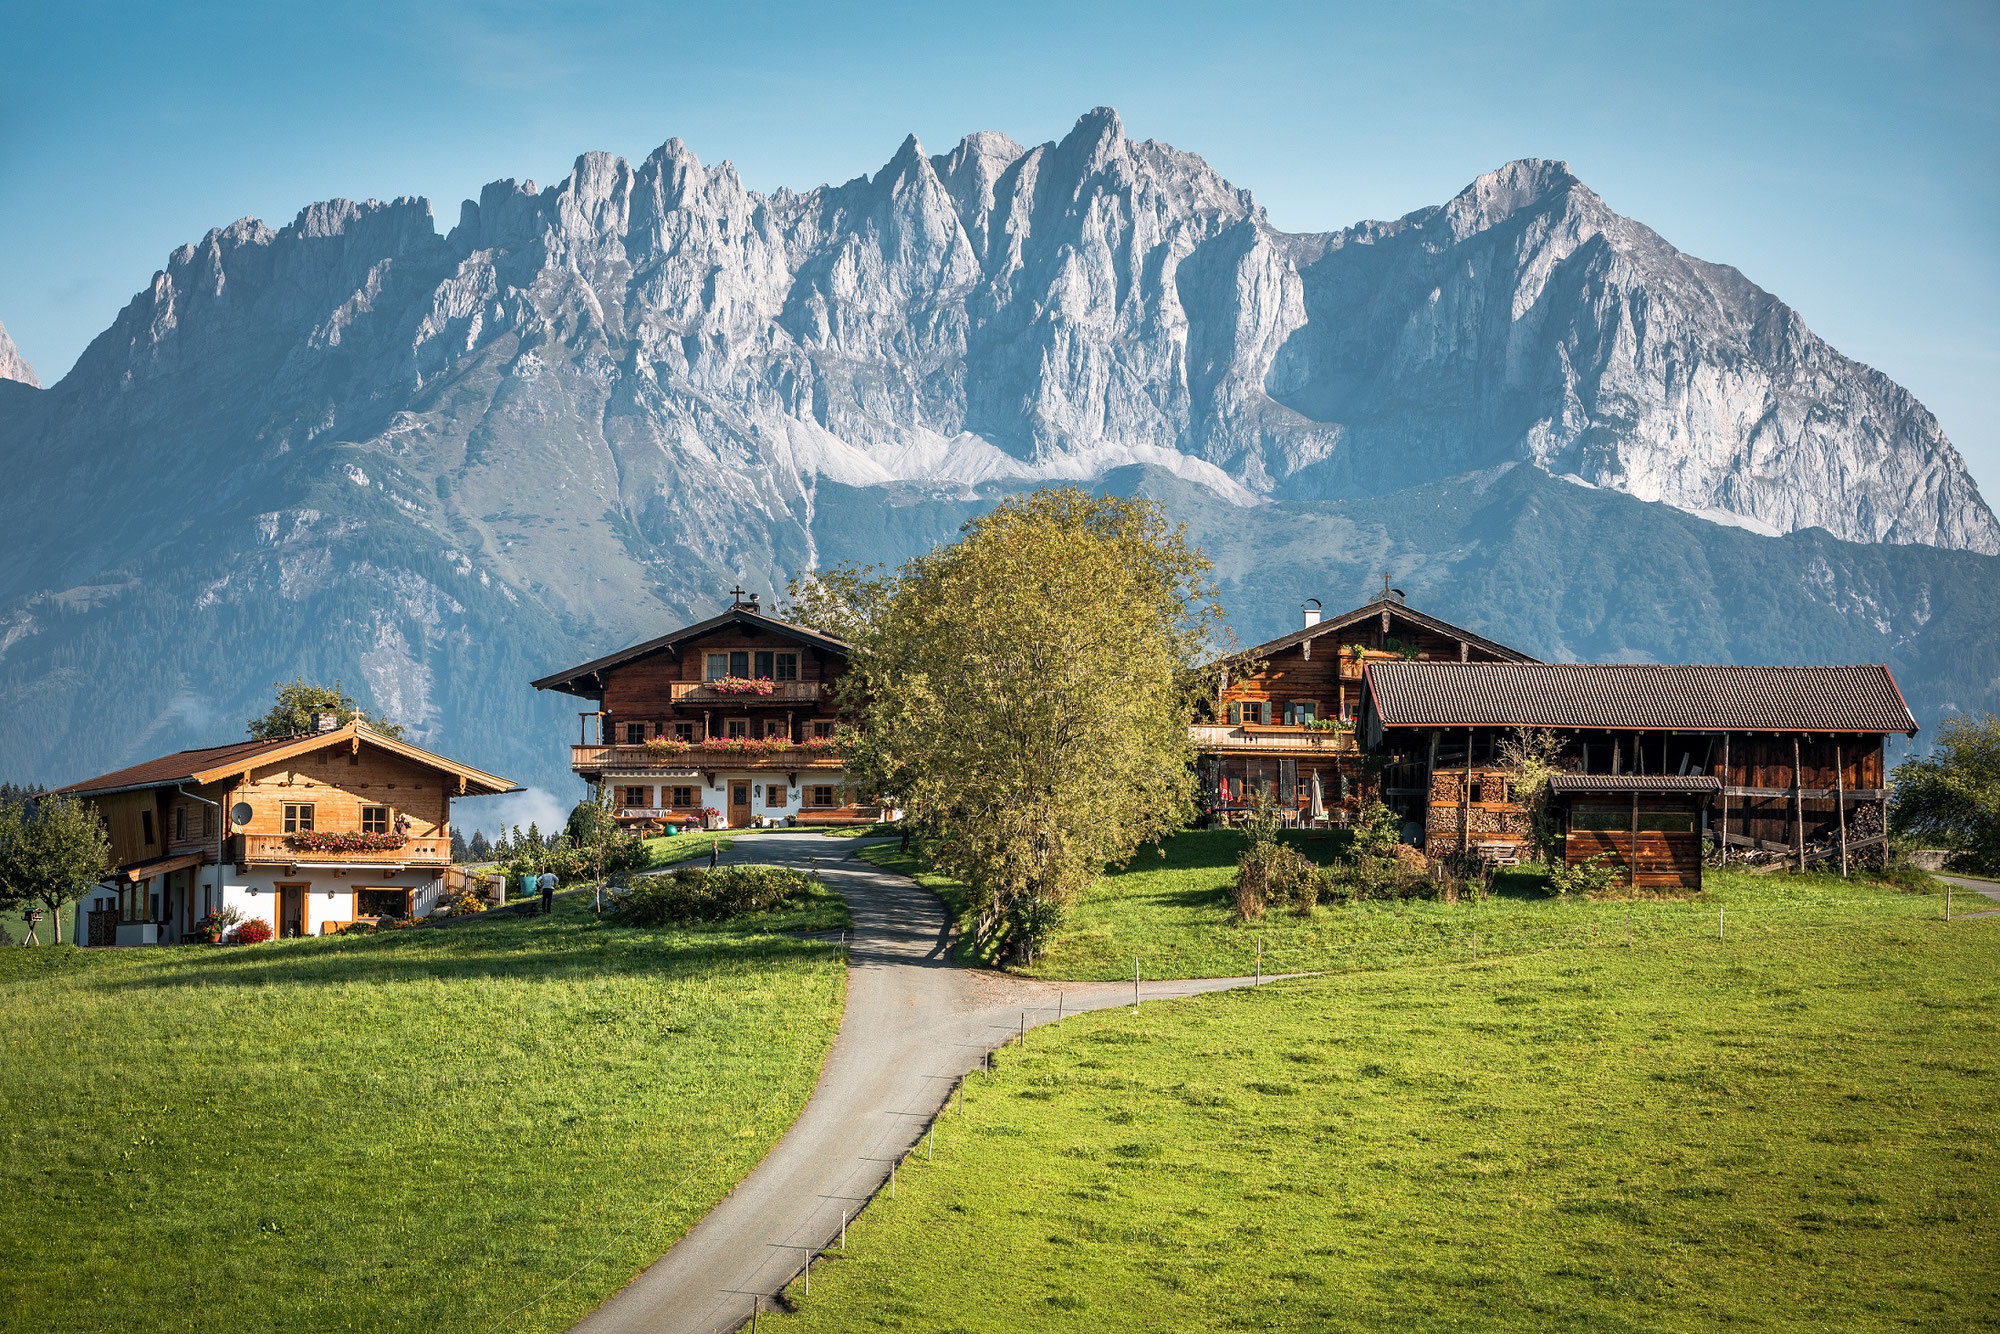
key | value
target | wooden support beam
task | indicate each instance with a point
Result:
(1632, 857)
(1726, 772)
(1465, 799)
(1840, 806)
(1798, 807)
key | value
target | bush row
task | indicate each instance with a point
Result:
(694, 894)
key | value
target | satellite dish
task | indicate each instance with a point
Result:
(240, 813)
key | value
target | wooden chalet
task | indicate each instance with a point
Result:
(729, 722)
(1658, 758)
(1285, 710)
(308, 833)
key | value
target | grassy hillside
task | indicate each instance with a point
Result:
(431, 1130)
(1788, 1128)
(1170, 909)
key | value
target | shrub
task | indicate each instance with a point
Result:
(464, 903)
(1591, 879)
(695, 894)
(215, 927)
(253, 932)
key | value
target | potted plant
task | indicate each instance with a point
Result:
(1351, 656)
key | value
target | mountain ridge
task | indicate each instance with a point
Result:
(434, 464)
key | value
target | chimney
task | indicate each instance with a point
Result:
(326, 722)
(1312, 610)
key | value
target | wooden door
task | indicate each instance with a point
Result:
(291, 910)
(103, 927)
(739, 802)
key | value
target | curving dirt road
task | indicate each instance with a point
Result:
(914, 1024)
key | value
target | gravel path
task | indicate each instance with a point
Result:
(914, 1024)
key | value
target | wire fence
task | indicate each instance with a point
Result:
(785, 1088)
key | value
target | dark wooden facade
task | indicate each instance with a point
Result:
(1284, 711)
(1812, 789)
(729, 721)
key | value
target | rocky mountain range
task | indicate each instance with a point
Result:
(13, 366)
(440, 464)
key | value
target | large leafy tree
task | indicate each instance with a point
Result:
(1025, 691)
(1951, 796)
(52, 850)
(299, 701)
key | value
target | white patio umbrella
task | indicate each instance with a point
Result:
(1318, 800)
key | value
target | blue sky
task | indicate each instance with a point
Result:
(1844, 156)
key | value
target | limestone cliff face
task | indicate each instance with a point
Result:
(658, 331)
(437, 462)
(13, 366)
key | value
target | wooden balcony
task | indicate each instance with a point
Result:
(276, 850)
(1251, 737)
(793, 693)
(637, 760)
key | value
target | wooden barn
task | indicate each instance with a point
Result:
(1796, 753)
(1284, 711)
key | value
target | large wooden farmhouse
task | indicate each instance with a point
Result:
(1284, 715)
(307, 833)
(731, 721)
(1657, 757)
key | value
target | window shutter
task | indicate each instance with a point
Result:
(1234, 714)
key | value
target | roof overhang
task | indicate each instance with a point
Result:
(573, 680)
(1682, 784)
(161, 866)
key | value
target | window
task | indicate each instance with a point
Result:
(298, 819)
(823, 729)
(146, 827)
(1301, 711)
(787, 667)
(636, 797)
(737, 727)
(684, 731)
(382, 902)
(635, 734)
(775, 795)
(374, 819)
(1478, 791)
(180, 824)
(1254, 711)
(777, 727)
(762, 670)
(718, 666)
(739, 662)
(683, 796)
(822, 796)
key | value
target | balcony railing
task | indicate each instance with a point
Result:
(1211, 737)
(276, 849)
(782, 692)
(641, 760)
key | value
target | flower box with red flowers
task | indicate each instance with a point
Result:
(741, 685)
(315, 840)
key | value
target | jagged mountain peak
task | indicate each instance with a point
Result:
(1064, 309)
(14, 366)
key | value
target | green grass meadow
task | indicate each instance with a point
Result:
(487, 1125)
(1173, 913)
(1791, 1127)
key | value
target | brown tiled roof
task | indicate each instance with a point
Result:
(578, 680)
(1637, 697)
(179, 767)
(1635, 783)
(212, 762)
(1397, 610)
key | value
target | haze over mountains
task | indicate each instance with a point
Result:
(439, 465)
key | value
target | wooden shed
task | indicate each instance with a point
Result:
(1648, 826)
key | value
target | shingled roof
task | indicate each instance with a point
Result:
(1637, 697)
(1398, 610)
(212, 763)
(1568, 783)
(586, 679)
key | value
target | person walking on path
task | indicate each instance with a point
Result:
(714, 852)
(548, 886)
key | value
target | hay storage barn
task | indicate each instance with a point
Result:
(1796, 752)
